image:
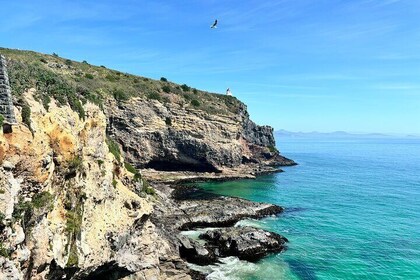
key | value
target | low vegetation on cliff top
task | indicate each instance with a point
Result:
(74, 83)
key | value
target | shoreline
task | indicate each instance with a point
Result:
(183, 207)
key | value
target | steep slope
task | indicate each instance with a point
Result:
(159, 124)
(69, 208)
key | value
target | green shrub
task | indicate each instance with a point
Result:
(195, 91)
(272, 149)
(26, 115)
(4, 252)
(120, 95)
(163, 79)
(114, 149)
(68, 62)
(100, 162)
(46, 100)
(54, 54)
(166, 89)
(76, 106)
(73, 259)
(187, 96)
(166, 99)
(75, 162)
(184, 87)
(89, 76)
(85, 62)
(112, 78)
(74, 221)
(73, 228)
(195, 103)
(154, 96)
(137, 177)
(130, 168)
(150, 191)
(114, 183)
(43, 199)
(1, 120)
(22, 208)
(43, 60)
(147, 188)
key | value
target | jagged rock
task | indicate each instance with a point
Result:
(196, 140)
(42, 244)
(194, 252)
(246, 243)
(189, 208)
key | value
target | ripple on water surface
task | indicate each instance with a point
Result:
(352, 212)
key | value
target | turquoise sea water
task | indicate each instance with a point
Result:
(352, 211)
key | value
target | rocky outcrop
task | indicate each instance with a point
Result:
(187, 208)
(69, 209)
(184, 208)
(178, 138)
(246, 243)
(6, 104)
(72, 208)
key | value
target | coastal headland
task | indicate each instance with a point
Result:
(96, 173)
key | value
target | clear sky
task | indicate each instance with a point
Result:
(300, 65)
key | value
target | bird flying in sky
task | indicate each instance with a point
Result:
(214, 24)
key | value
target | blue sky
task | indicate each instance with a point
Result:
(300, 65)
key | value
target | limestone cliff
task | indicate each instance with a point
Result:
(69, 208)
(175, 137)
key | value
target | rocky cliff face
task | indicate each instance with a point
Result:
(69, 208)
(173, 137)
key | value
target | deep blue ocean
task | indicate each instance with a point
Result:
(352, 211)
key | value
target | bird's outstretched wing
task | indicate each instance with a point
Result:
(214, 24)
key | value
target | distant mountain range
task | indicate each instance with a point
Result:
(338, 134)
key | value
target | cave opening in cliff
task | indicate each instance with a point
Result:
(201, 167)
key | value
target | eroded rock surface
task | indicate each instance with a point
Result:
(247, 243)
(186, 208)
(195, 140)
(70, 210)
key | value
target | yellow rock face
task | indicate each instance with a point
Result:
(40, 156)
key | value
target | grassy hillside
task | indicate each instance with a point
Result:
(71, 82)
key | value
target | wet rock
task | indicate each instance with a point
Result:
(246, 243)
(194, 252)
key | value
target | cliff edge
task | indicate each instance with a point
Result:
(75, 197)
